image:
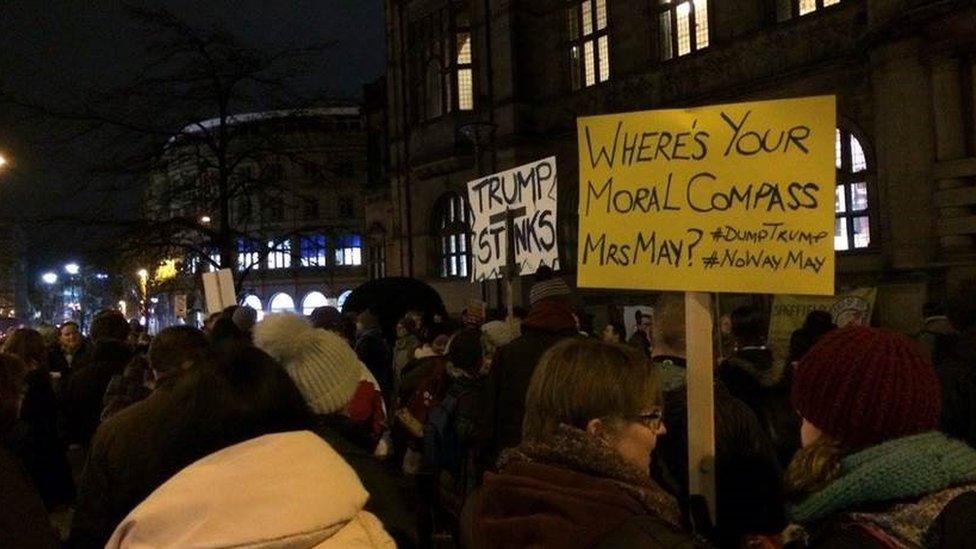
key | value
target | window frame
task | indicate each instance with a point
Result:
(846, 177)
(577, 41)
(320, 248)
(819, 7)
(354, 249)
(279, 254)
(451, 224)
(672, 9)
(434, 39)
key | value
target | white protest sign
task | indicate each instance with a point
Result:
(218, 289)
(527, 194)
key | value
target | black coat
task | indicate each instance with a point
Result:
(37, 443)
(748, 486)
(375, 353)
(124, 466)
(508, 382)
(958, 376)
(23, 519)
(385, 497)
(85, 391)
(751, 376)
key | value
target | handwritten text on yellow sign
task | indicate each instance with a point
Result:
(729, 198)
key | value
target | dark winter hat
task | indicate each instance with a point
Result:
(863, 386)
(554, 287)
(466, 351)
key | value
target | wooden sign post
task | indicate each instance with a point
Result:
(724, 198)
(701, 396)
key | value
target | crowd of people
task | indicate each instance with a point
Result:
(523, 430)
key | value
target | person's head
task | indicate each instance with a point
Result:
(109, 325)
(208, 324)
(543, 273)
(646, 324)
(819, 322)
(725, 324)
(321, 363)
(326, 317)
(228, 312)
(437, 335)
(468, 351)
(12, 372)
(28, 345)
(176, 349)
(961, 308)
(238, 394)
(856, 388)
(554, 288)
(366, 320)
(609, 391)
(406, 326)
(614, 332)
(69, 336)
(668, 331)
(748, 326)
(244, 318)
(225, 330)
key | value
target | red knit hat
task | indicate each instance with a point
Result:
(863, 386)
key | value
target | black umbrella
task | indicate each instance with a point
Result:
(390, 298)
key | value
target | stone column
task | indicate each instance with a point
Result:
(950, 144)
(903, 143)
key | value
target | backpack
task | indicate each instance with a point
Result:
(442, 445)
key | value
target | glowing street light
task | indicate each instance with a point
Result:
(3, 161)
(142, 273)
(72, 268)
(49, 278)
(205, 219)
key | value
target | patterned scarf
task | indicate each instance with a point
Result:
(577, 450)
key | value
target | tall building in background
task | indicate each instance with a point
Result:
(295, 209)
(479, 86)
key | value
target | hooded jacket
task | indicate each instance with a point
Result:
(280, 490)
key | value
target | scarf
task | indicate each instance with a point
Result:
(899, 469)
(577, 450)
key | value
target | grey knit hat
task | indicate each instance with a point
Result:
(323, 366)
(554, 287)
(244, 318)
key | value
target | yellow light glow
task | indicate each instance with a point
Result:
(166, 270)
(3, 161)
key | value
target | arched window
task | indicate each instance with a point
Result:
(282, 303)
(254, 302)
(342, 299)
(852, 227)
(313, 300)
(451, 227)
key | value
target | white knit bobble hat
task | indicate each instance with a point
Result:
(323, 366)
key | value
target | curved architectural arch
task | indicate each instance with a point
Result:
(281, 302)
(312, 300)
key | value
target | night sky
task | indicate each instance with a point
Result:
(51, 49)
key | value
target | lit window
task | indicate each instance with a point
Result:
(852, 226)
(788, 9)
(312, 249)
(248, 254)
(442, 62)
(279, 254)
(683, 26)
(589, 43)
(312, 301)
(282, 303)
(349, 250)
(451, 226)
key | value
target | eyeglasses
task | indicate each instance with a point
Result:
(651, 419)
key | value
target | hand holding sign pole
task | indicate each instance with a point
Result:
(726, 198)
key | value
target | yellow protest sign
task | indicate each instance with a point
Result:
(725, 198)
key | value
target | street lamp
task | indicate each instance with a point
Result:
(72, 268)
(205, 219)
(3, 161)
(49, 278)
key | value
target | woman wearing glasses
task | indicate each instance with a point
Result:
(580, 476)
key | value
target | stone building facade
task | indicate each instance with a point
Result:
(297, 216)
(485, 85)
